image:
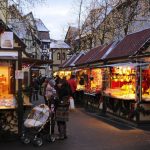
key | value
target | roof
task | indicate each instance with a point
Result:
(19, 27)
(59, 44)
(72, 60)
(102, 52)
(130, 44)
(90, 56)
(40, 25)
(68, 61)
(16, 37)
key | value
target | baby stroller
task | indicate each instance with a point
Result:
(37, 124)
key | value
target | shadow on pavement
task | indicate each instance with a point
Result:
(117, 123)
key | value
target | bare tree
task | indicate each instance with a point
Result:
(98, 11)
(130, 16)
(111, 19)
(20, 4)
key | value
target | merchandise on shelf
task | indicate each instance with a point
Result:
(63, 74)
(96, 80)
(146, 83)
(122, 83)
(82, 77)
(7, 99)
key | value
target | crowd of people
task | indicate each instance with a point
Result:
(56, 92)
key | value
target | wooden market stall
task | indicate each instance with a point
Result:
(125, 93)
(69, 67)
(11, 101)
(93, 88)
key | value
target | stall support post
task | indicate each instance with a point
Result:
(19, 96)
(104, 78)
(138, 91)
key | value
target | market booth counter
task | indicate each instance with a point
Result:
(11, 101)
(92, 92)
(119, 94)
(127, 93)
(9, 116)
(144, 107)
(82, 84)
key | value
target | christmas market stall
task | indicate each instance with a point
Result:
(93, 87)
(11, 101)
(80, 74)
(68, 67)
(126, 86)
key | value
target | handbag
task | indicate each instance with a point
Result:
(72, 106)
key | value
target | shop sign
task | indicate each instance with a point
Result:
(7, 40)
(19, 74)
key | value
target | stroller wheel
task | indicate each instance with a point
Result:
(51, 138)
(25, 140)
(38, 142)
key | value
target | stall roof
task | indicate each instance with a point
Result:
(130, 44)
(72, 60)
(89, 56)
(125, 64)
(68, 61)
(102, 52)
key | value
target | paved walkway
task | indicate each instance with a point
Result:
(89, 133)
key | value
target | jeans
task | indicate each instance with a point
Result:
(61, 128)
(35, 95)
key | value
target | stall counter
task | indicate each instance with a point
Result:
(119, 94)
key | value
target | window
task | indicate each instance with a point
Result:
(58, 56)
(44, 46)
(63, 56)
(50, 55)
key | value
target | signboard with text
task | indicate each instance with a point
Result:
(19, 74)
(7, 40)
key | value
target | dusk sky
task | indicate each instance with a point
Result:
(56, 14)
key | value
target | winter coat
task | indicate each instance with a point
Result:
(73, 84)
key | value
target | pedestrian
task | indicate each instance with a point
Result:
(50, 95)
(73, 84)
(49, 89)
(44, 85)
(62, 108)
(35, 88)
(57, 81)
(40, 80)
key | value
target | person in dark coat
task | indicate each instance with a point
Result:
(62, 107)
(35, 88)
(57, 81)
